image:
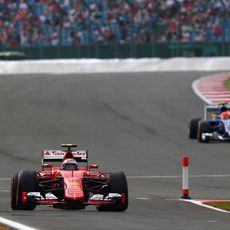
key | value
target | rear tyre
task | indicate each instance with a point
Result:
(24, 181)
(193, 128)
(117, 184)
(203, 127)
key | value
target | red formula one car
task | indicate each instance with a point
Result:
(69, 186)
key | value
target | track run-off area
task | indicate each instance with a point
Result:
(131, 122)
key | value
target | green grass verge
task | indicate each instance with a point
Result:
(225, 205)
(227, 84)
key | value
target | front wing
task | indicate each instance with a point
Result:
(50, 199)
(214, 136)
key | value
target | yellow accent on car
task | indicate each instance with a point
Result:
(213, 115)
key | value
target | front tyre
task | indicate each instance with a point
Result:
(14, 189)
(117, 184)
(24, 181)
(193, 128)
(203, 127)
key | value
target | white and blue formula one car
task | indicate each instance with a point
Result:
(215, 125)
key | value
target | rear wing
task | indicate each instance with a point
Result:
(58, 155)
(214, 108)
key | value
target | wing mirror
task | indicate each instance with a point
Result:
(93, 166)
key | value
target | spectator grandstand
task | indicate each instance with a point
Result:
(28, 23)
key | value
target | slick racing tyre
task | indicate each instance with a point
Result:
(14, 189)
(24, 181)
(193, 128)
(203, 127)
(117, 184)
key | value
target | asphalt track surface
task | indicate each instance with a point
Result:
(131, 122)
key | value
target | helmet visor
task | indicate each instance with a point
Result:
(70, 166)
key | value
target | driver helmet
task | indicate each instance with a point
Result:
(69, 164)
(225, 115)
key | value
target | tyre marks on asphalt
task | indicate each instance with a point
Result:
(211, 89)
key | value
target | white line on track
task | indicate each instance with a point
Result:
(177, 176)
(142, 198)
(11, 223)
(152, 177)
(15, 225)
(197, 202)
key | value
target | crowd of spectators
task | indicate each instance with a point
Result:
(28, 23)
